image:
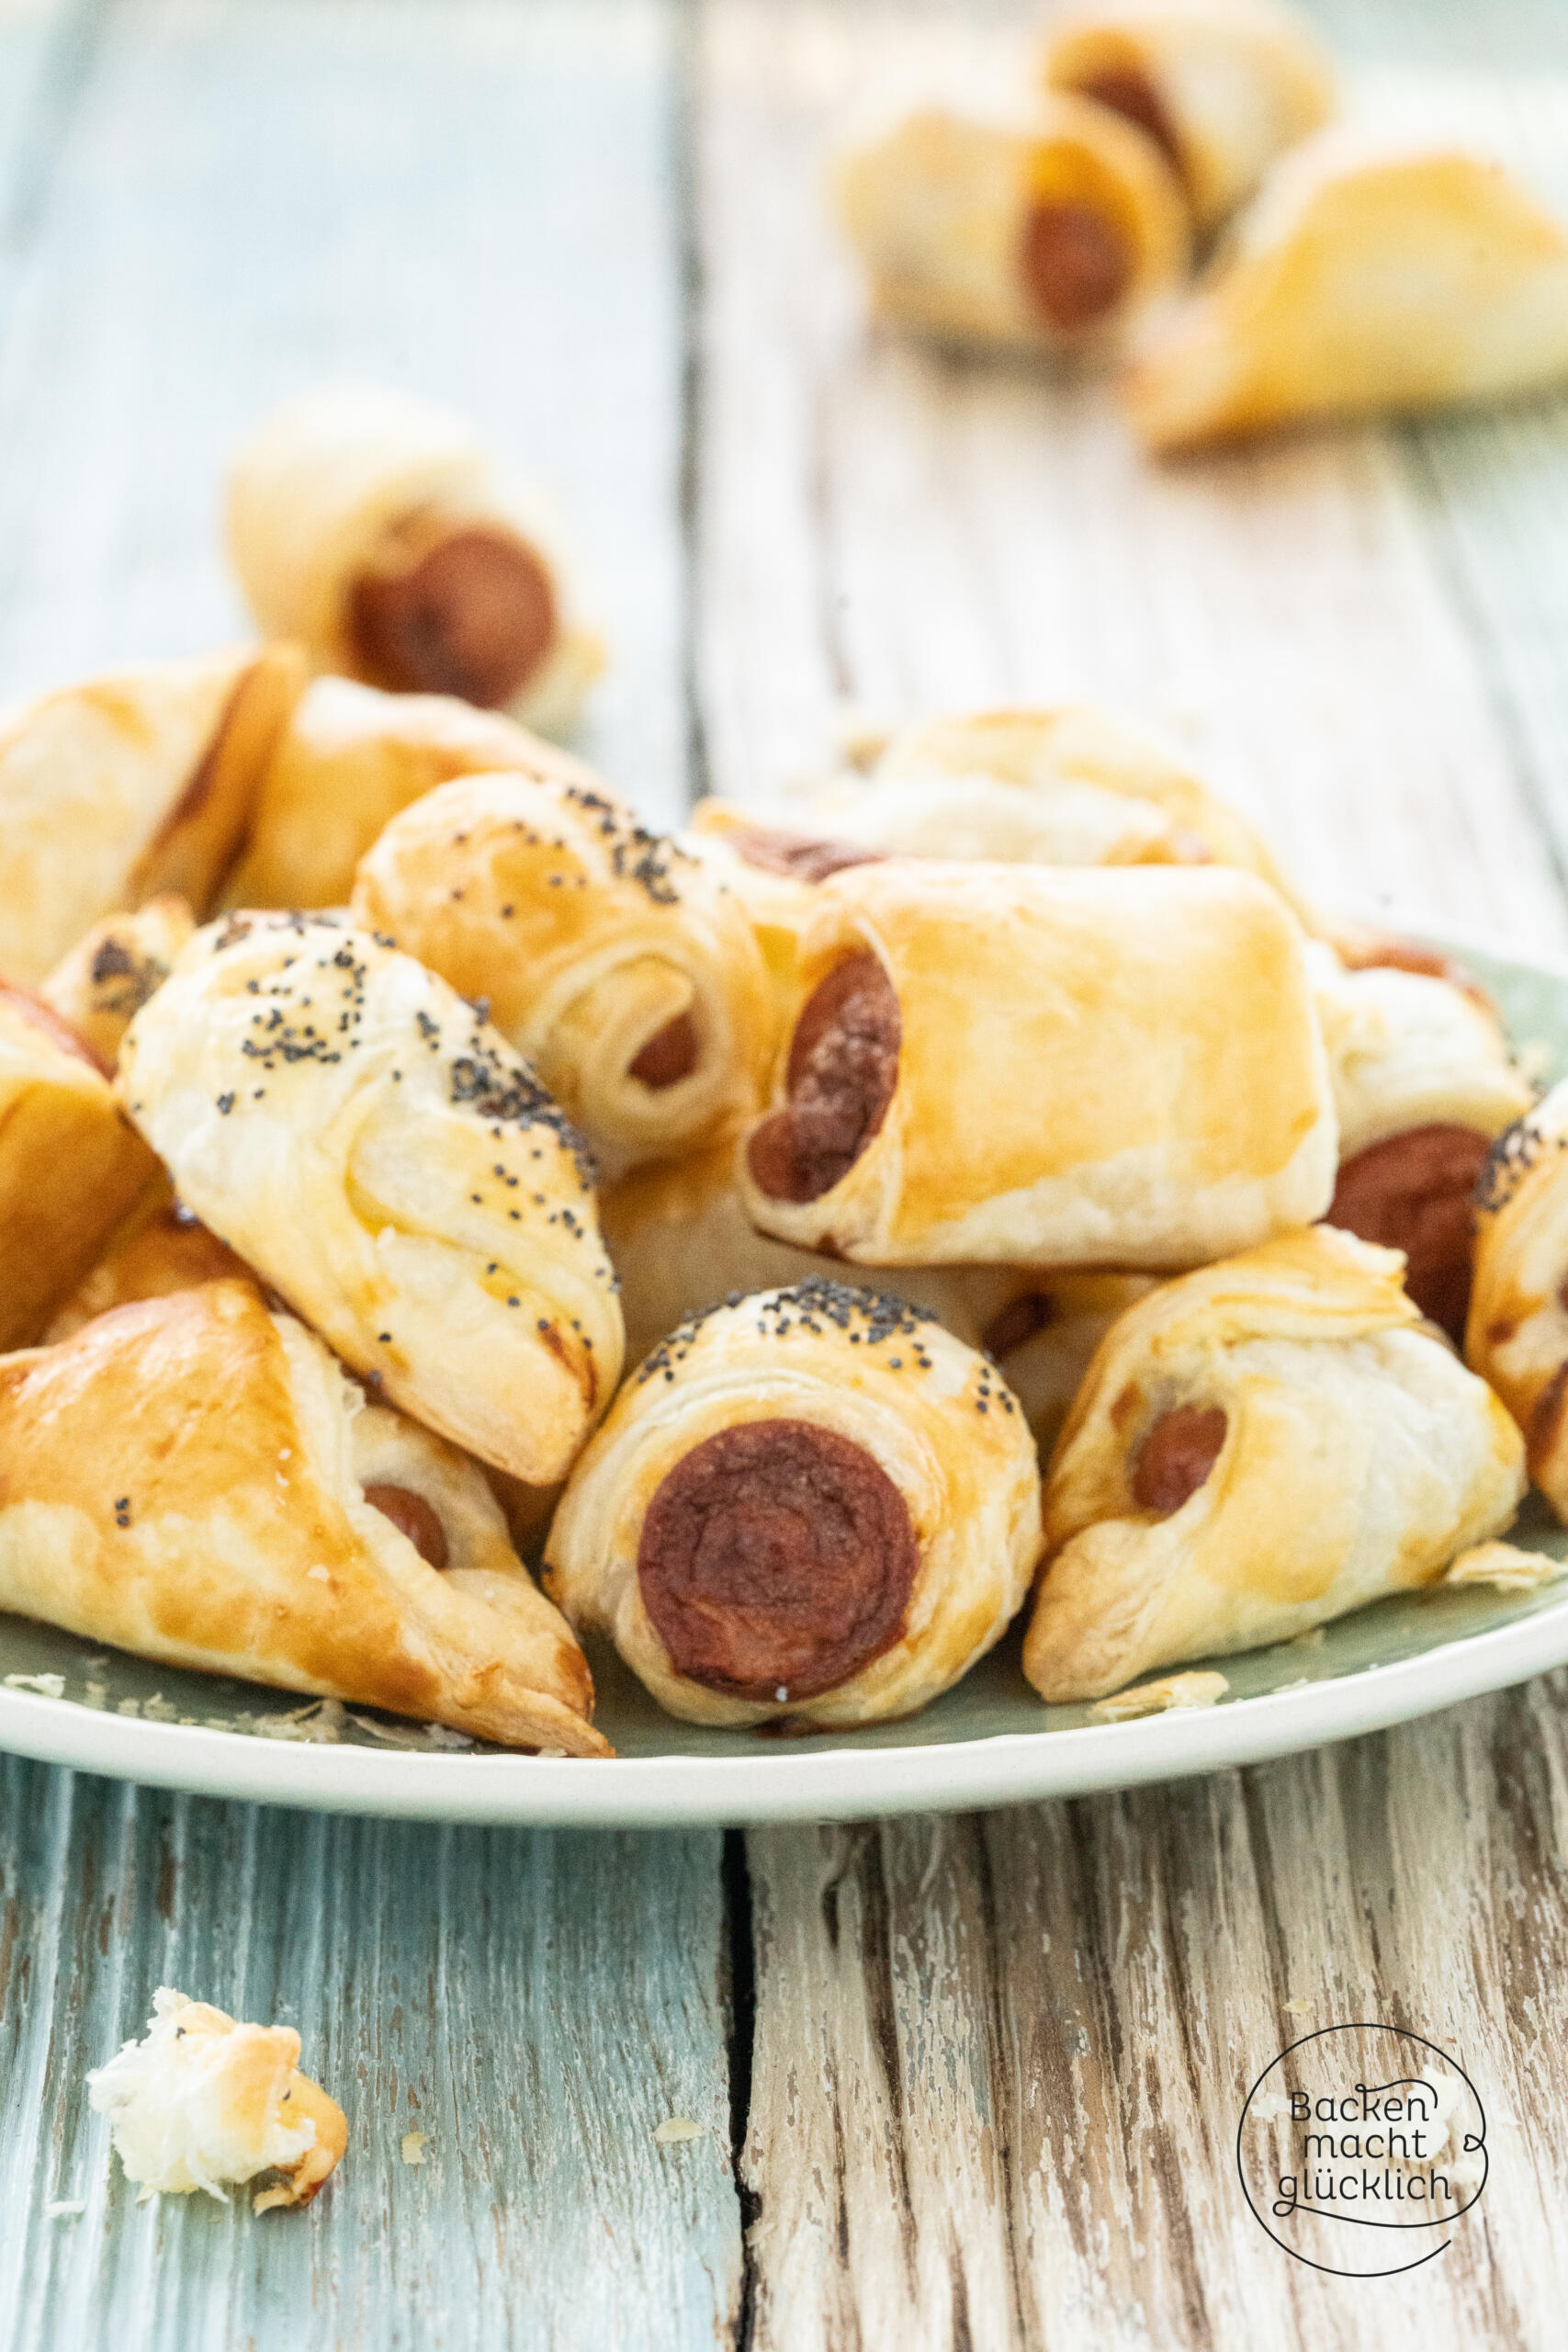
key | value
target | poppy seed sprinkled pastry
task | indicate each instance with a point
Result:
(813, 1503)
(1047, 1066)
(378, 530)
(1517, 1337)
(193, 1480)
(1423, 1083)
(381, 1157)
(614, 962)
(1362, 280)
(1044, 225)
(1221, 86)
(130, 786)
(1259, 1447)
(108, 976)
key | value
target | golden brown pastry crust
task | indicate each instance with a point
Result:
(593, 942)
(186, 1478)
(1130, 1074)
(882, 1381)
(1516, 1336)
(379, 1154)
(1352, 1455)
(1362, 281)
(108, 976)
(131, 785)
(159, 1247)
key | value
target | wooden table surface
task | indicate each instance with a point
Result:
(968, 2082)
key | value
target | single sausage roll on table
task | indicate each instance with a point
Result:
(1221, 86)
(103, 983)
(1033, 1066)
(609, 957)
(377, 1153)
(70, 1165)
(1043, 226)
(812, 1503)
(1518, 1333)
(378, 530)
(133, 785)
(1257, 1448)
(1362, 280)
(193, 1480)
(349, 759)
(1422, 1085)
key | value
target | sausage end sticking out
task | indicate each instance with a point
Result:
(473, 614)
(843, 1067)
(670, 1055)
(1415, 1192)
(772, 849)
(1076, 264)
(1129, 92)
(412, 1517)
(1177, 1456)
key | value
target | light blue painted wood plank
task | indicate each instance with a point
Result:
(536, 2004)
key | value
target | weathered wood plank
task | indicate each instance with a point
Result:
(538, 2004)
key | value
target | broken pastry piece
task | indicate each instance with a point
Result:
(1033, 1066)
(1259, 1447)
(379, 530)
(628, 976)
(1221, 86)
(1362, 281)
(107, 977)
(813, 1504)
(1046, 226)
(129, 787)
(205, 2103)
(193, 1480)
(1517, 1337)
(358, 1135)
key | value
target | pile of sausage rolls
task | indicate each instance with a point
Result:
(1344, 269)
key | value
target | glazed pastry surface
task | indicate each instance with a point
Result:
(1516, 1336)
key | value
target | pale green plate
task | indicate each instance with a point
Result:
(988, 1742)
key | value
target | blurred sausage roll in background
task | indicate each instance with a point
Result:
(1033, 225)
(193, 1480)
(1518, 1333)
(614, 962)
(381, 1157)
(1037, 1066)
(1259, 1447)
(378, 530)
(815, 1503)
(1221, 86)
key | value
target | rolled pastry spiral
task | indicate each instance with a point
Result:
(1048, 225)
(1516, 1336)
(378, 530)
(108, 976)
(1221, 86)
(131, 785)
(626, 974)
(193, 1480)
(1257, 1448)
(1034, 1066)
(812, 1503)
(381, 1157)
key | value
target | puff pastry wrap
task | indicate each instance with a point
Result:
(1517, 1337)
(1257, 1448)
(193, 1480)
(108, 976)
(1031, 225)
(1221, 86)
(1364, 278)
(381, 1157)
(610, 959)
(1422, 1084)
(133, 785)
(1042, 1066)
(378, 529)
(815, 1503)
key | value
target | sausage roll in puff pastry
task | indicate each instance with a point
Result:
(1518, 1333)
(70, 1165)
(772, 870)
(103, 983)
(1221, 86)
(159, 1247)
(1257, 1448)
(134, 784)
(1361, 280)
(1044, 1065)
(349, 759)
(378, 530)
(1423, 1083)
(1044, 226)
(382, 1158)
(193, 1480)
(1042, 1328)
(814, 1503)
(609, 957)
